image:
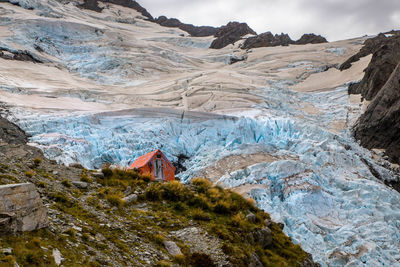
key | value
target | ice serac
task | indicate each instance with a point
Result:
(21, 208)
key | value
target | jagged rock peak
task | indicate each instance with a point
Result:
(196, 31)
(93, 5)
(311, 38)
(230, 33)
(267, 39)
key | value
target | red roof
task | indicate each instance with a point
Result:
(143, 160)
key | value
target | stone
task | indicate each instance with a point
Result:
(21, 208)
(263, 237)
(80, 185)
(57, 257)
(251, 217)
(172, 248)
(76, 165)
(255, 261)
(98, 175)
(7, 251)
(131, 198)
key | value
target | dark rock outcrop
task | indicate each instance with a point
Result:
(379, 126)
(230, 33)
(11, 133)
(267, 39)
(311, 38)
(18, 55)
(196, 31)
(384, 60)
(370, 46)
(93, 5)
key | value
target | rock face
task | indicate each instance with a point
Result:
(196, 31)
(11, 133)
(230, 33)
(267, 39)
(93, 5)
(379, 126)
(386, 56)
(21, 208)
(370, 46)
(311, 38)
(18, 55)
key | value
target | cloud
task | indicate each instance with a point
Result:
(335, 19)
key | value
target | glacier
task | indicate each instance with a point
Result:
(321, 186)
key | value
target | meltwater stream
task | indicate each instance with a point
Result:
(321, 187)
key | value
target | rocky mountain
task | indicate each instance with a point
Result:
(230, 33)
(89, 92)
(379, 126)
(267, 39)
(197, 31)
(311, 38)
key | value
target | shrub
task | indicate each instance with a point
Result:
(66, 183)
(200, 260)
(201, 184)
(36, 162)
(174, 191)
(200, 215)
(222, 207)
(158, 239)
(239, 220)
(115, 199)
(42, 184)
(153, 192)
(29, 174)
(62, 199)
(163, 263)
(107, 171)
(180, 259)
(199, 201)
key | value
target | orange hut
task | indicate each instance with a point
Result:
(156, 164)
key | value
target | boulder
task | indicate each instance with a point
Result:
(80, 185)
(172, 248)
(131, 198)
(21, 208)
(263, 237)
(251, 217)
(230, 33)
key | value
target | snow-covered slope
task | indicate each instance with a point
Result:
(113, 86)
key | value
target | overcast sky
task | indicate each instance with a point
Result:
(334, 19)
